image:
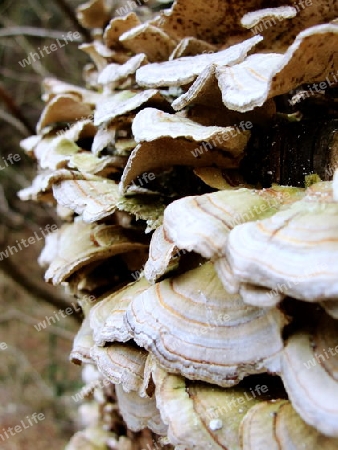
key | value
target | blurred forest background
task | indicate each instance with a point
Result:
(35, 374)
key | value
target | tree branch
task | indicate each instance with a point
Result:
(15, 110)
(68, 11)
(14, 122)
(35, 32)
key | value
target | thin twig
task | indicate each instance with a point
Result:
(38, 68)
(36, 32)
(23, 42)
(15, 110)
(63, 5)
(14, 122)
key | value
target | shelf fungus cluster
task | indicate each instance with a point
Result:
(194, 178)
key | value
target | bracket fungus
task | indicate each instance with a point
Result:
(161, 253)
(107, 316)
(189, 174)
(66, 107)
(83, 342)
(122, 103)
(184, 70)
(304, 236)
(122, 364)
(139, 412)
(114, 73)
(93, 200)
(195, 328)
(310, 375)
(80, 244)
(141, 39)
(275, 424)
(151, 124)
(215, 215)
(212, 415)
(94, 13)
